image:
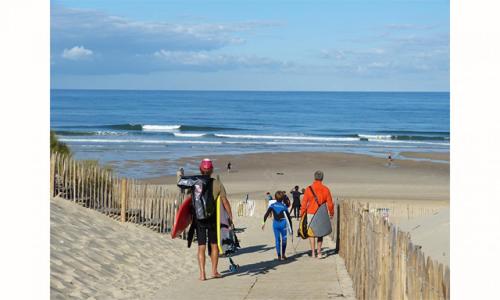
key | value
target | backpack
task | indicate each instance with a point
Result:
(202, 198)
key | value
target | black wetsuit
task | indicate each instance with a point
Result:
(296, 203)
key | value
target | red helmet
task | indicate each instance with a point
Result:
(206, 165)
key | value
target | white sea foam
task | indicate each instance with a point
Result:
(116, 141)
(178, 134)
(284, 137)
(408, 142)
(161, 128)
(375, 137)
(109, 133)
(383, 143)
(270, 143)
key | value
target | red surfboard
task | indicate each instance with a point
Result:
(183, 218)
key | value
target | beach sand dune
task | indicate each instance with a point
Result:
(432, 233)
(93, 256)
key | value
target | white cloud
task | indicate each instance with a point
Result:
(410, 26)
(340, 54)
(217, 61)
(121, 45)
(77, 53)
(399, 53)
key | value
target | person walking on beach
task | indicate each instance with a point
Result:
(296, 201)
(389, 159)
(229, 167)
(310, 205)
(280, 227)
(206, 229)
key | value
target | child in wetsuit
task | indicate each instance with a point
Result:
(280, 212)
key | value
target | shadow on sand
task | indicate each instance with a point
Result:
(252, 249)
(239, 230)
(264, 267)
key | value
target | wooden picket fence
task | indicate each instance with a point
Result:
(383, 262)
(127, 200)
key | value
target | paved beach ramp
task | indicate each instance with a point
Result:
(261, 276)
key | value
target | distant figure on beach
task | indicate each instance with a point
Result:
(296, 201)
(280, 226)
(389, 159)
(314, 196)
(268, 196)
(229, 167)
(207, 228)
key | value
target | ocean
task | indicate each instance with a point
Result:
(118, 127)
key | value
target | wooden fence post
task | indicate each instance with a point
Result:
(123, 200)
(52, 173)
(337, 231)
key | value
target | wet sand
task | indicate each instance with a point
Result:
(445, 156)
(348, 176)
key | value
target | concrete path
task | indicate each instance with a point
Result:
(261, 276)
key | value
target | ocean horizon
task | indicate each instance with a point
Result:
(120, 126)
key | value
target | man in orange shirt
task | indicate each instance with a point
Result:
(310, 206)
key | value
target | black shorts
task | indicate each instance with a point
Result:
(204, 230)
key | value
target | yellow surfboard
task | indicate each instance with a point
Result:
(218, 213)
(226, 239)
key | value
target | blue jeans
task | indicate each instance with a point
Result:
(279, 228)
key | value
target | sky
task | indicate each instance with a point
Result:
(307, 45)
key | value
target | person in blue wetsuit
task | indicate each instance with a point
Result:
(280, 212)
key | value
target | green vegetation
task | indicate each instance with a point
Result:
(57, 146)
(94, 163)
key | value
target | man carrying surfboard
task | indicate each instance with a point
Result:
(315, 196)
(206, 228)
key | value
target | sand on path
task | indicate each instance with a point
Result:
(261, 276)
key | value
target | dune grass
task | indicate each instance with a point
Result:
(58, 146)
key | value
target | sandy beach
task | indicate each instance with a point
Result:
(352, 176)
(415, 191)
(444, 156)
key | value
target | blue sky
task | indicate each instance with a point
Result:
(251, 45)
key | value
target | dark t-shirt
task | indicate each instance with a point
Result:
(296, 197)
